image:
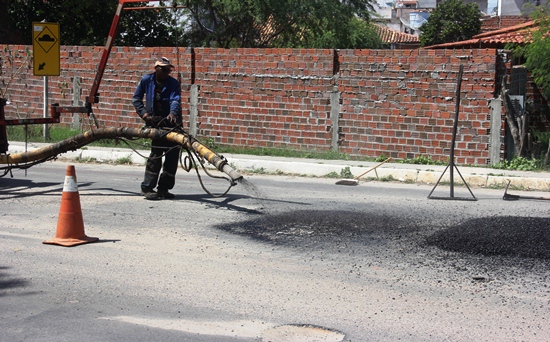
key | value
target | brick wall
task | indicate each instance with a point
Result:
(268, 98)
(493, 23)
(401, 103)
(398, 103)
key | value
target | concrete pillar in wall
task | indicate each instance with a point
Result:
(335, 117)
(193, 109)
(496, 123)
(77, 92)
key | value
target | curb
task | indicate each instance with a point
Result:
(475, 177)
(407, 173)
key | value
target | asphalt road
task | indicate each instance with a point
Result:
(276, 259)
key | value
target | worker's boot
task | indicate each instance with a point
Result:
(150, 194)
(162, 193)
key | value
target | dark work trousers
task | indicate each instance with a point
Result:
(154, 165)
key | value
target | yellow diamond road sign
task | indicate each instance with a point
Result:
(45, 45)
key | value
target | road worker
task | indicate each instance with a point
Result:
(162, 108)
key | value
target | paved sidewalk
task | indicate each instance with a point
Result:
(410, 173)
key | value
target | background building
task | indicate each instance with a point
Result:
(408, 15)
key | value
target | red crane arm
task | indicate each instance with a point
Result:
(94, 96)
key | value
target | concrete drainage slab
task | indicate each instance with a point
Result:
(302, 333)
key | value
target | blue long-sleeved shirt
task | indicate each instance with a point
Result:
(170, 97)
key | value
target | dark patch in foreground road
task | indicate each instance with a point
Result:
(312, 228)
(502, 236)
(526, 237)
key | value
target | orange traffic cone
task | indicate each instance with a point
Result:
(70, 224)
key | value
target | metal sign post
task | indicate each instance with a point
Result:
(46, 60)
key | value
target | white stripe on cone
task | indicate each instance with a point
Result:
(70, 185)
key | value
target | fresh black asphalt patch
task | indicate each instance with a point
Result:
(497, 236)
(525, 237)
(312, 228)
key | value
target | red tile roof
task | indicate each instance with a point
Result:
(390, 36)
(514, 34)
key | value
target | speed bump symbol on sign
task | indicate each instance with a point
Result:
(46, 49)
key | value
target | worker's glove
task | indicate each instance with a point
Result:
(149, 120)
(172, 119)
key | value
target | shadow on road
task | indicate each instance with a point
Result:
(9, 282)
(20, 188)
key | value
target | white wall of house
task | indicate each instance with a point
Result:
(383, 9)
(395, 15)
(427, 3)
(482, 4)
(516, 7)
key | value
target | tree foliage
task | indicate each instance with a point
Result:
(281, 23)
(217, 23)
(451, 21)
(151, 27)
(87, 22)
(536, 53)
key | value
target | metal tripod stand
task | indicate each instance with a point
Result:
(452, 166)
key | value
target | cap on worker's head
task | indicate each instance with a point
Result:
(162, 62)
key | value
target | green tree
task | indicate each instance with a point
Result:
(358, 34)
(150, 27)
(8, 32)
(451, 21)
(281, 23)
(87, 22)
(536, 53)
(220, 23)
